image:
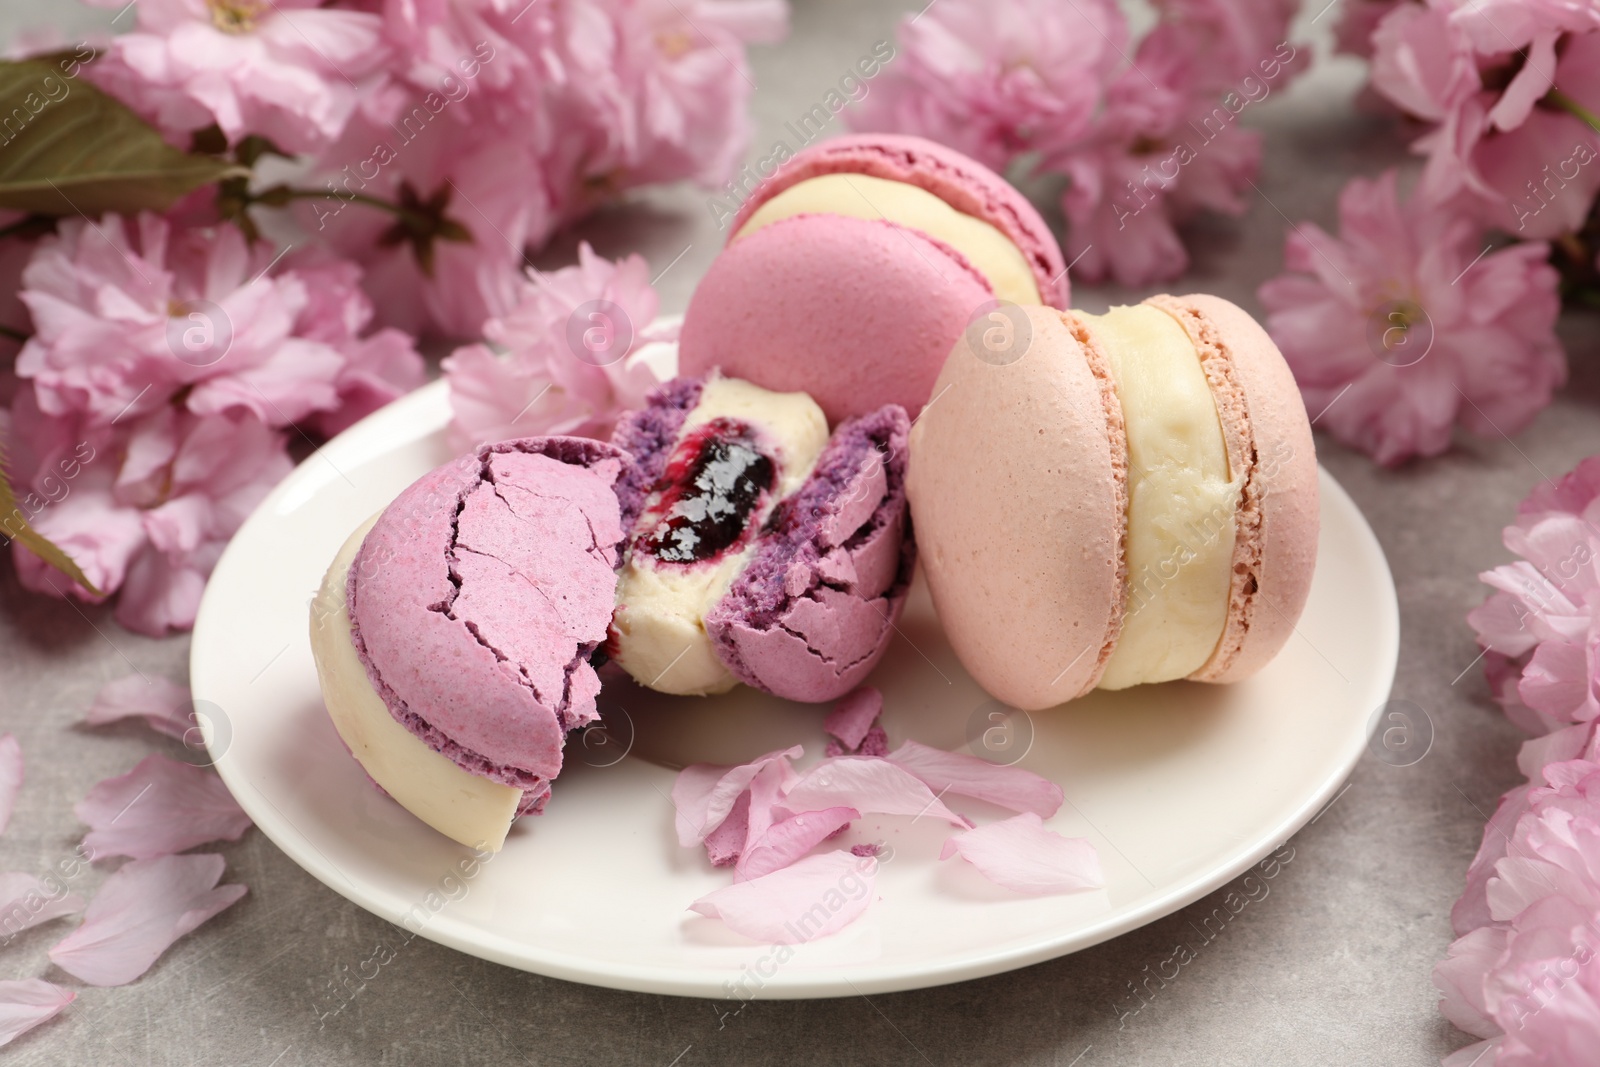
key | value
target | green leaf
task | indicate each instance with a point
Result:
(14, 524)
(67, 148)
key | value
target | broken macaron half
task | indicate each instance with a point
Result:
(724, 536)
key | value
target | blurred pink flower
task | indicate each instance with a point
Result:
(1232, 40)
(144, 506)
(682, 68)
(1540, 625)
(996, 80)
(377, 368)
(1357, 20)
(1402, 326)
(568, 357)
(1156, 155)
(1509, 88)
(287, 70)
(128, 315)
(1529, 981)
(504, 122)
(476, 198)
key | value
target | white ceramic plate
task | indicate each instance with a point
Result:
(1181, 787)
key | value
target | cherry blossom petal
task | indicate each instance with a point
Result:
(1022, 855)
(868, 784)
(163, 705)
(26, 900)
(853, 715)
(10, 777)
(817, 896)
(1459, 979)
(159, 808)
(26, 1004)
(1010, 787)
(788, 840)
(139, 912)
(704, 794)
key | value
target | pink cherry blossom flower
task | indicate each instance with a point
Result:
(474, 195)
(997, 80)
(144, 506)
(569, 357)
(1401, 326)
(287, 70)
(682, 68)
(1233, 40)
(126, 315)
(159, 808)
(1159, 153)
(1508, 88)
(27, 1003)
(139, 912)
(1529, 982)
(377, 367)
(1357, 20)
(1540, 626)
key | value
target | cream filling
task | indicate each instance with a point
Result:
(863, 196)
(658, 632)
(464, 807)
(1181, 500)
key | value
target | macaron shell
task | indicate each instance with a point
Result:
(468, 578)
(814, 610)
(858, 313)
(1265, 426)
(1018, 490)
(959, 180)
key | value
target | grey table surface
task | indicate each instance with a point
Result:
(1332, 967)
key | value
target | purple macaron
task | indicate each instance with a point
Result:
(812, 611)
(479, 597)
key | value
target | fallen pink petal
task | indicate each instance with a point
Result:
(139, 912)
(1009, 787)
(1021, 855)
(703, 794)
(159, 808)
(10, 777)
(164, 706)
(26, 1004)
(786, 841)
(818, 896)
(870, 785)
(26, 900)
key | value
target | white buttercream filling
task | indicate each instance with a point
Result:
(1181, 500)
(863, 196)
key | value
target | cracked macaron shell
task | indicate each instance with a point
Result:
(959, 180)
(479, 596)
(813, 612)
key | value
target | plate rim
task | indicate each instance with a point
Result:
(425, 411)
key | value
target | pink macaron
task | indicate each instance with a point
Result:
(1020, 481)
(860, 310)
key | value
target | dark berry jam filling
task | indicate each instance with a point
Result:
(711, 488)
